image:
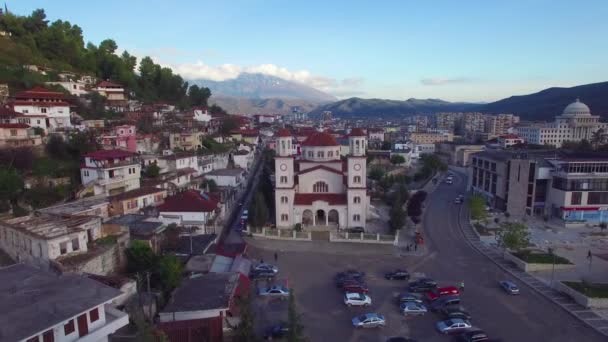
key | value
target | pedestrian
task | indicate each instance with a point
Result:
(276, 257)
(415, 247)
(261, 260)
(461, 286)
(589, 255)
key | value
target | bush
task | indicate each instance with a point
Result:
(589, 290)
(541, 258)
(297, 227)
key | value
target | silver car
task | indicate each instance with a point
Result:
(453, 325)
(413, 308)
(275, 291)
(369, 320)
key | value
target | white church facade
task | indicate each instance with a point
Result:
(318, 188)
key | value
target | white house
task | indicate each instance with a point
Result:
(111, 172)
(243, 159)
(226, 177)
(318, 188)
(41, 306)
(508, 140)
(76, 88)
(45, 109)
(189, 208)
(201, 115)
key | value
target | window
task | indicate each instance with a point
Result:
(33, 339)
(63, 248)
(284, 217)
(283, 179)
(576, 198)
(330, 154)
(68, 328)
(284, 199)
(13, 132)
(310, 154)
(75, 244)
(94, 315)
(597, 197)
(320, 154)
(320, 187)
(43, 110)
(357, 199)
(48, 336)
(356, 217)
(357, 179)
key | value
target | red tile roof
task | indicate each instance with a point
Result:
(320, 139)
(188, 201)
(8, 112)
(39, 92)
(108, 84)
(284, 133)
(357, 132)
(39, 103)
(14, 125)
(331, 199)
(109, 154)
(321, 167)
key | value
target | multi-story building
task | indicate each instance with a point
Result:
(573, 188)
(472, 122)
(508, 140)
(43, 108)
(575, 124)
(76, 88)
(123, 137)
(500, 124)
(41, 306)
(110, 172)
(375, 134)
(446, 121)
(40, 239)
(188, 141)
(458, 153)
(430, 138)
(114, 93)
(318, 188)
(18, 135)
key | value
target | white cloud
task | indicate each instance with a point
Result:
(442, 81)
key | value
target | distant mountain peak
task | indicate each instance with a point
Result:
(262, 86)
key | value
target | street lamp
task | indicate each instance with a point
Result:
(551, 252)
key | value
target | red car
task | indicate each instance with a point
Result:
(355, 287)
(442, 291)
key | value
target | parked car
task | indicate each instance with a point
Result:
(448, 181)
(409, 297)
(455, 311)
(369, 320)
(245, 214)
(356, 230)
(473, 335)
(397, 275)
(422, 285)
(441, 292)
(357, 299)
(509, 287)
(453, 326)
(266, 267)
(412, 308)
(276, 331)
(274, 291)
(458, 200)
(445, 302)
(355, 287)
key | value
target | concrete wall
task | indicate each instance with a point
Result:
(526, 267)
(596, 303)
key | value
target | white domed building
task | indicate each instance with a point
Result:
(318, 188)
(574, 124)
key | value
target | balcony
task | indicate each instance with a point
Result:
(115, 319)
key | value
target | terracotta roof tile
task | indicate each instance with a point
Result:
(109, 154)
(331, 199)
(188, 201)
(357, 132)
(320, 139)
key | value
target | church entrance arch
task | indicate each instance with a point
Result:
(307, 218)
(320, 219)
(333, 217)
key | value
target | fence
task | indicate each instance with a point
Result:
(364, 238)
(283, 234)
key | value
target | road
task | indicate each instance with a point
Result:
(528, 317)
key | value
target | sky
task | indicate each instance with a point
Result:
(455, 50)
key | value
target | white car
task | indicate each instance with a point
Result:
(266, 268)
(412, 308)
(357, 299)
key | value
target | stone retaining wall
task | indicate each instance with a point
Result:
(527, 267)
(588, 302)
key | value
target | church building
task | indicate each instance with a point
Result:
(318, 188)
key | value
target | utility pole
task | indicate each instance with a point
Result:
(553, 266)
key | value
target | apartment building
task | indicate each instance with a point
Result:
(500, 124)
(110, 172)
(430, 138)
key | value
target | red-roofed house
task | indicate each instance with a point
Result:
(114, 94)
(45, 109)
(18, 135)
(318, 188)
(190, 208)
(110, 172)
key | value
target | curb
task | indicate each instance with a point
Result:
(601, 330)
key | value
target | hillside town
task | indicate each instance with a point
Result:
(126, 216)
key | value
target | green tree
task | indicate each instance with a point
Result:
(397, 159)
(258, 211)
(152, 171)
(198, 96)
(513, 236)
(245, 331)
(477, 207)
(11, 185)
(376, 173)
(170, 271)
(397, 215)
(228, 125)
(140, 257)
(209, 183)
(294, 321)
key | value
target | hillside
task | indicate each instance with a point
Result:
(548, 103)
(260, 86)
(358, 107)
(260, 106)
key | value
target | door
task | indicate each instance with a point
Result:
(83, 325)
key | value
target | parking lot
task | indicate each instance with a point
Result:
(320, 302)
